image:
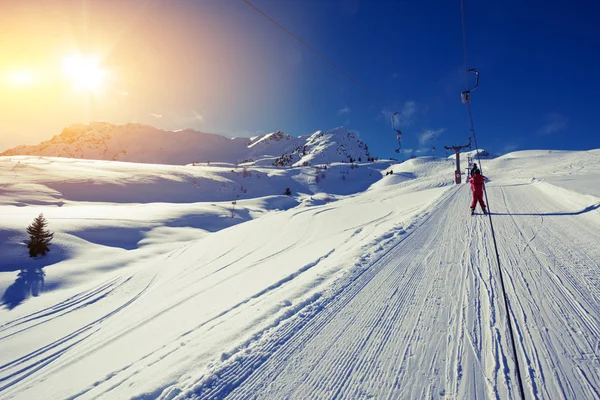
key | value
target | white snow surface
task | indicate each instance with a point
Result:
(476, 155)
(358, 285)
(145, 144)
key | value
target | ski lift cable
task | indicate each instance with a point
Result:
(328, 61)
(466, 97)
(464, 37)
(332, 64)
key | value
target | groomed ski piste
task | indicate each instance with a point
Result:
(362, 285)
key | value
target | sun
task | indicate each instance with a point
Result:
(84, 71)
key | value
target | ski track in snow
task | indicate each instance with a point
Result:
(558, 292)
(427, 319)
(420, 315)
(403, 328)
(14, 372)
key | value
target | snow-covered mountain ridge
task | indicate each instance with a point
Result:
(146, 144)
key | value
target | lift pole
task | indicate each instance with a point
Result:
(457, 150)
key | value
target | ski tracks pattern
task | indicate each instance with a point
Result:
(39, 361)
(413, 325)
(421, 315)
(551, 263)
(428, 319)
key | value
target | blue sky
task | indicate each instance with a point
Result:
(219, 66)
(537, 61)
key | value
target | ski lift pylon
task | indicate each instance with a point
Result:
(398, 133)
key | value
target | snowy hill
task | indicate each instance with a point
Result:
(360, 284)
(320, 147)
(483, 155)
(142, 143)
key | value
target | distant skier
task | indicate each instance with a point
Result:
(477, 181)
(474, 169)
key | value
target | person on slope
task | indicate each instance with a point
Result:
(477, 181)
(474, 169)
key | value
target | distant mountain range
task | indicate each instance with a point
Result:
(146, 144)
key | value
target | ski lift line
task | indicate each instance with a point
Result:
(328, 61)
(508, 310)
(466, 97)
(332, 64)
(464, 37)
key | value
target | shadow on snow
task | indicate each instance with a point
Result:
(592, 207)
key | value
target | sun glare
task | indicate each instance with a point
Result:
(85, 72)
(20, 78)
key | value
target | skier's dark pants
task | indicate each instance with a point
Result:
(478, 197)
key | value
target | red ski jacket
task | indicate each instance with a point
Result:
(477, 183)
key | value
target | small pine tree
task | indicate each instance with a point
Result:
(39, 237)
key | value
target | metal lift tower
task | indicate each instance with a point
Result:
(457, 150)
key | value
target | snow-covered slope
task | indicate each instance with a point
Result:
(321, 147)
(482, 154)
(195, 196)
(386, 288)
(142, 143)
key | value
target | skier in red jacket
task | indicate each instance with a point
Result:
(477, 189)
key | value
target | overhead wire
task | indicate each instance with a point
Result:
(472, 133)
(464, 38)
(327, 60)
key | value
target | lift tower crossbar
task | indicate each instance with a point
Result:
(457, 150)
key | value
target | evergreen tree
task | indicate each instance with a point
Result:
(39, 237)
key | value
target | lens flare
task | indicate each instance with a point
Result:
(20, 78)
(84, 71)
